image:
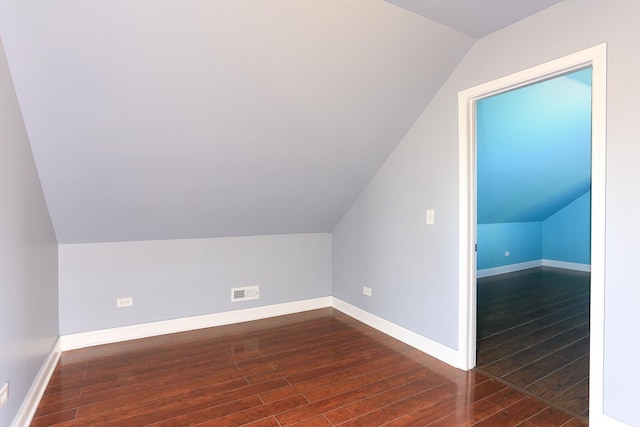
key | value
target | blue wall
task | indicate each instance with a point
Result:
(534, 149)
(567, 234)
(522, 240)
(534, 173)
(564, 236)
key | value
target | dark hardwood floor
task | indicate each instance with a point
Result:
(319, 368)
(533, 332)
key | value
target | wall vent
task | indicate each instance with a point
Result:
(245, 293)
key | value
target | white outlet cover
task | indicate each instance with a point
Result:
(124, 302)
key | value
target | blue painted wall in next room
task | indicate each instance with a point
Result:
(534, 173)
(564, 236)
(523, 240)
(567, 234)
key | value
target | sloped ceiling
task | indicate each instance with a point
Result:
(474, 17)
(162, 119)
(534, 149)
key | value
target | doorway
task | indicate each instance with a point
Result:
(533, 178)
(596, 59)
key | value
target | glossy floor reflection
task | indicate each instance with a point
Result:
(319, 368)
(533, 332)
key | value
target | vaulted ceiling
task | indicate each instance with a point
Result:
(534, 149)
(162, 119)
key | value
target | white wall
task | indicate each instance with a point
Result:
(170, 279)
(28, 258)
(382, 241)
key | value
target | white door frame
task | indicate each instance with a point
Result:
(595, 57)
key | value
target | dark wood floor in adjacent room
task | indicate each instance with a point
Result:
(533, 332)
(319, 368)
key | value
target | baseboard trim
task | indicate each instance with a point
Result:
(606, 420)
(106, 336)
(126, 333)
(566, 265)
(511, 268)
(432, 348)
(144, 330)
(30, 405)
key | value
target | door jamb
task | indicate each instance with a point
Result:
(595, 57)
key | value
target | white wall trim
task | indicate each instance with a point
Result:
(125, 333)
(87, 339)
(605, 420)
(595, 57)
(420, 342)
(30, 404)
(486, 272)
(144, 330)
(566, 265)
(511, 268)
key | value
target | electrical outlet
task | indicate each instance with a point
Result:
(506, 253)
(366, 291)
(4, 394)
(124, 302)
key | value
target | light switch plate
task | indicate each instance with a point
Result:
(431, 217)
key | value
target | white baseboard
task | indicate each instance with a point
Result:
(87, 339)
(605, 420)
(508, 268)
(531, 264)
(566, 265)
(125, 333)
(432, 348)
(30, 405)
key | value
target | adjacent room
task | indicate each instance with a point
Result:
(242, 212)
(533, 213)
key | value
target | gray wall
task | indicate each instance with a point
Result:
(170, 279)
(382, 241)
(28, 258)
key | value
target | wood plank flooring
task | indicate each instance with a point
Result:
(318, 368)
(533, 332)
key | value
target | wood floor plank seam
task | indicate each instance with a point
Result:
(510, 331)
(534, 331)
(343, 373)
(524, 351)
(537, 355)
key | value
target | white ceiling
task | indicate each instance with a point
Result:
(153, 119)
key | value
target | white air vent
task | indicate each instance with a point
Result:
(245, 293)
